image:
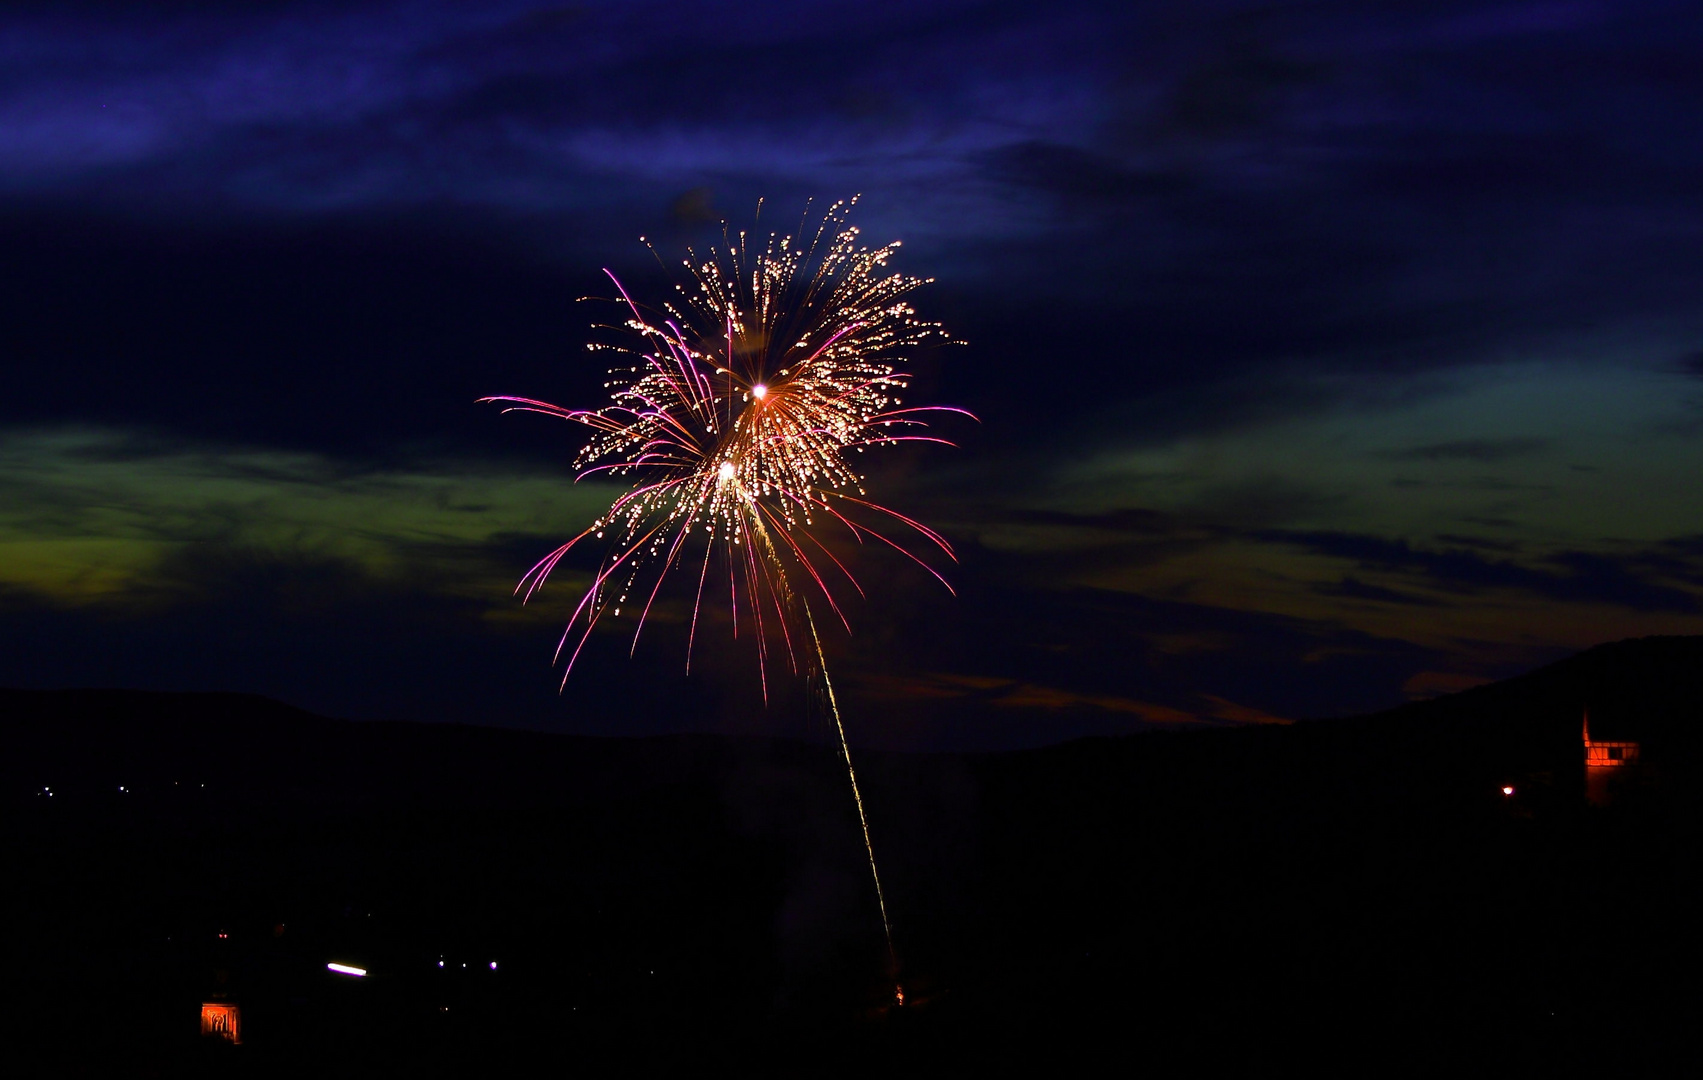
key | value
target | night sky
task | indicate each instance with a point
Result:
(1327, 355)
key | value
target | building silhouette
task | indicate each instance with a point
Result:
(1607, 763)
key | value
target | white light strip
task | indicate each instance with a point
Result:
(345, 969)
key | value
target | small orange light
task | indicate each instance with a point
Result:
(1507, 789)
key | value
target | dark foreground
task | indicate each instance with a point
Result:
(1357, 895)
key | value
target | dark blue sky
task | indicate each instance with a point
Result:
(1328, 354)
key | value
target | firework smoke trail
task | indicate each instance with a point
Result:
(733, 424)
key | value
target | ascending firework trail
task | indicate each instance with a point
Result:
(857, 796)
(731, 418)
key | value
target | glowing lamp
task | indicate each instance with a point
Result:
(222, 1020)
(346, 969)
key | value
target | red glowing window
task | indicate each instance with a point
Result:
(222, 1020)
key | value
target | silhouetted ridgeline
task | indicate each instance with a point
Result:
(1298, 890)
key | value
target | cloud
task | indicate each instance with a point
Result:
(1238, 88)
(1574, 576)
(1224, 709)
(1482, 451)
(303, 109)
(1355, 589)
(1429, 684)
(1080, 175)
(1504, 547)
(1022, 629)
(1005, 693)
(115, 516)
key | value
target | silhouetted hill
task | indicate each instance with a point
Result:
(1252, 892)
(1649, 690)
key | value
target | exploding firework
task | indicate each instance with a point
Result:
(733, 418)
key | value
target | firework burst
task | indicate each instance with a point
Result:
(734, 416)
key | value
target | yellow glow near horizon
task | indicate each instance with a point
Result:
(1534, 474)
(102, 515)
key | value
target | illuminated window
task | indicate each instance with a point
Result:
(221, 1020)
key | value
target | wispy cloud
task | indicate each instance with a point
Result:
(1353, 513)
(102, 515)
(1482, 451)
(1579, 576)
(1005, 693)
